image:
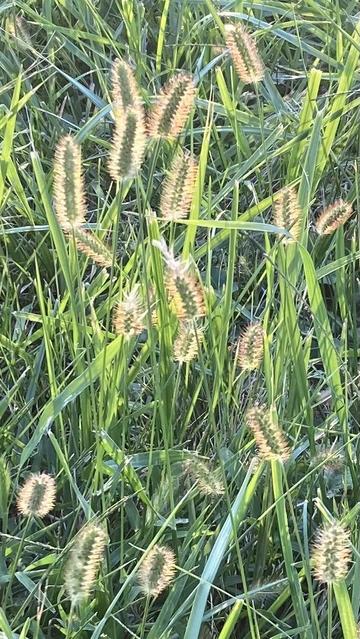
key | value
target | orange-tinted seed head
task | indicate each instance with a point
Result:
(268, 434)
(172, 107)
(287, 213)
(250, 347)
(187, 342)
(333, 216)
(95, 249)
(244, 54)
(129, 315)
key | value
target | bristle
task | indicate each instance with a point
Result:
(156, 571)
(287, 214)
(331, 553)
(333, 217)
(178, 189)
(128, 145)
(125, 90)
(83, 563)
(37, 495)
(250, 347)
(244, 54)
(187, 342)
(206, 478)
(95, 249)
(268, 434)
(69, 189)
(172, 107)
(129, 315)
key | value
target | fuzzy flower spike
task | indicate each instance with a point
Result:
(125, 90)
(83, 563)
(250, 347)
(172, 107)
(287, 213)
(244, 54)
(69, 188)
(333, 217)
(268, 435)
(331, 553)
(156, 571)
(129, 315)
(182, 286)
(178, 188)
(37, 495)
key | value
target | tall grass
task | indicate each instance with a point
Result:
(129, 359)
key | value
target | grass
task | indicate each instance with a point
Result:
(118, 422)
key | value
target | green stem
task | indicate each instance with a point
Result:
(293, 577)
(348, 623)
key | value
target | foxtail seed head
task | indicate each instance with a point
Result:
(17, 27)
(207, 480)
(178, 189)
(182, 287)
(244, 54)
(287, 213)
(268, 434)
(185, 292)
(125, 91)
(172, 107)
(187, 342)
(333, 217)
(95, 249)
(156, 571)
(83, 563)
(37, 495)
(250, 347)
(128, 145)
(69, 189)
(129, 315)
(331, 553)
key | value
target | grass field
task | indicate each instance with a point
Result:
(231, 468)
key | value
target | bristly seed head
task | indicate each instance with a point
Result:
(187, 342)
(125, 90)
(95, 249)
(182, 287)
(156, 571)
(178, 188)
(331, 553)
(128, 145)
(37, 495)
(129, 315)
(172, 107)
(206, 478)
(250, 347)
(287, 213)
(244, 54)
(268, 434)
(333, 217)
(83, 563)
(69, 188)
